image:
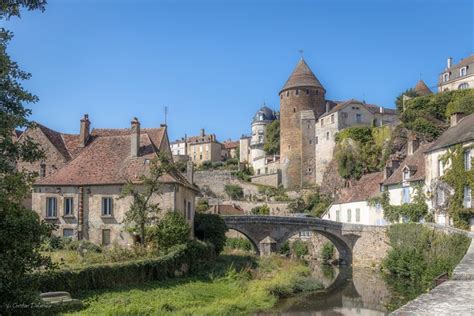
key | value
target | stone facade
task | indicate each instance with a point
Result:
(301, 95)
(270, 179)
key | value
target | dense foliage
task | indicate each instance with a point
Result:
(211, 228)
(261, 210)
(410, 93)
(314, 204)
(202, 205)
(327, 251)
(420, 254)
(272, 138)
(171, 230)
(239, 243)
(276, 194)
(457, 177)
(21, 230)
(234, 191)
(361, 150)
(245, 174)
(299, 248)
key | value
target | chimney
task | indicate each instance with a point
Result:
(190, 171)
(185, 144)
(134, 137)
(413, 144)
(382, 110)
(85, 130)
(202, 132)
(455, 118)
(449, 62)
(328, 107)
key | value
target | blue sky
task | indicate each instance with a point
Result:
(214, 63)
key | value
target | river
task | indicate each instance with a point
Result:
(349, 291)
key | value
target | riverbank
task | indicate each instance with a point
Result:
(236, 284)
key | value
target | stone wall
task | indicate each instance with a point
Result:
(272, 180)
(216, 180)
(276, 208)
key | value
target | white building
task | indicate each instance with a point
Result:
(178, 147)
(352, 205)
(457, 77)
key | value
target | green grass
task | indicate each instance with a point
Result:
(236, 284)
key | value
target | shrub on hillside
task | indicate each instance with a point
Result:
(299, 248)
(234, 191)
(202, 205)
(239, 243)
(327, 252)
(261, 210)
(172, 230)
(210, 228)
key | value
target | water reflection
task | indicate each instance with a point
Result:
(349, 291)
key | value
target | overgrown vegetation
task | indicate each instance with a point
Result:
(276, 194)
(202, 205)
(261, 210)
(314, 204)
(245, 174)
(457, 177)
(239, 243)
(272, 138)
(171, 230)
(420, 254)
(411, 212)
(210, 228)
(234, 191)
(327, 251)
(299, 248)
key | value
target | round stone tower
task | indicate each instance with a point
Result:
(302, 101)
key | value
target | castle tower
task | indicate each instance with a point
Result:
(302, 101)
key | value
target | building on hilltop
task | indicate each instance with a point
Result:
(457, 77)
(352, 204)
(302, 101)
(201, 148)
(229, 149)
(343, 115)
(82, 196)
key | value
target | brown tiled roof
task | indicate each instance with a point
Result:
(460, 133)
(107, 160)
(56, 139)
(302, 76)
(230, 145)
(422, 89)
(464, 62)
(155, 134)
(202, 139)
(366, 187)
(225, 209)
(372, 108)
(415, 162)
(72, 144)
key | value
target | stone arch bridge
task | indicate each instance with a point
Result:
(364, 245)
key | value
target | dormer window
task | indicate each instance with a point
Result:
(42, 170)
(406, 174)
(462, 71)
(446, 77)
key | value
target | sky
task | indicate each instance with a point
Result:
(214, 63)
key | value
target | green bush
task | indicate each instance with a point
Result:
(297, 205)
(239, 243)
(234, 191)
(299, 248)
(261, 210)
(185, 258)
(202, 205)
(210, 228)
(285, 248)
(172, 230)
(420, 253)
(327, 252)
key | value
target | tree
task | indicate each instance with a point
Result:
(272, 139)
(399, 100)
(211, 228)
(21, 230)
(144, 210)
(172, 230)
(234, 191)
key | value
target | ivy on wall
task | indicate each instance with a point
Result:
(457, 177)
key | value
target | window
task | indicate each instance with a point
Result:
(338, 215)
(310, 141)
(189, 211)
(42, 170)
(322, 122)
(446, 77)
(357, 215)
(287, 93)
(467, 160)
(440, 168)
(307, 92)
(440, 197)
(200, 157)
(107, 206)
(332, 118)
(294, 110)
(68, 206)
(462, 71)
(349, 215)
(463, 86)
(327, 135)
(406, 174)
(467, 203)
(51, 207)
(105, 237)
(358, 117)
(406, 195)
(207, 147)
(68, 232)
(316, 140)
(297, 91)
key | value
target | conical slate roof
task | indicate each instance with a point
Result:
(422, 89)
(302, 76)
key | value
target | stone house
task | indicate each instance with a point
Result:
(229, 149)
(457, 77)
(352, 206)
(83, 196)
(204, 147)
(343, 115)
(460, 132)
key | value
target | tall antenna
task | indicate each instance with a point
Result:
(166, 115)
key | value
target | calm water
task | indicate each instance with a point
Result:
(350, 291)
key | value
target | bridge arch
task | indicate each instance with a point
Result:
(248, 236)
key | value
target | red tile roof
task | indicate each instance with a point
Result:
(366, 187)
(416, 164)
(225, 209)
(230, 145)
